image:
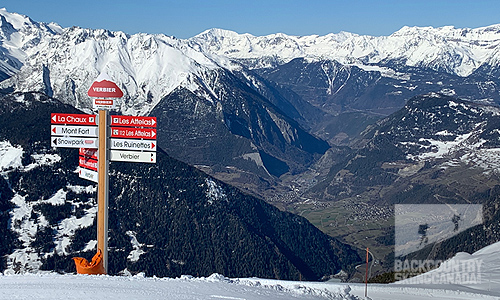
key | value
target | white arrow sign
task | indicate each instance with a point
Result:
(73, 142)
(88, 174)
(129, 144)
(76, 131)
(132, 156)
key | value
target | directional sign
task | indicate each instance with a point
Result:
(73, 119)
(92, 153)
(133, 133)
(104, 103)
(132, 156)
(127, 144)
(133, 121)
(88, 163)
(74, 130)
(103, 87)
(88, 174)
(73, 142)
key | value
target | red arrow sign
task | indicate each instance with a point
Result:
(88, 163)
(133, 121)
(73, 119)
(103, 87)
(133, 133)
(88, 152)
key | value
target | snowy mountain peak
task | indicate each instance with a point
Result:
(489, 33)
(25, 25)
(146, 67)
(103, 76)
(19, 36)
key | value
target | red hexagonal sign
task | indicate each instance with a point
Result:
(104, 87)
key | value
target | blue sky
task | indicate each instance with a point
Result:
(186, 18)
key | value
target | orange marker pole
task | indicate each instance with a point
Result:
(102, 189)
(366, 273)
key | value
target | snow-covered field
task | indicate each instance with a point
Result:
(54, 286)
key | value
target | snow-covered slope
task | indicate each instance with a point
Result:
(479, 270)
(19, 36)
(54, 286)
(441, 283)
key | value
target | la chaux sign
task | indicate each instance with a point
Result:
(73, 119)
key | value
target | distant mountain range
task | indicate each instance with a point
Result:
(406, 118)
(249, 109)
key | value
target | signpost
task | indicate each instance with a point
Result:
(133, 133)
(103, 190)
(74, 130)
(133, 140)
(133, 121)
(88, 174)
(73, 119)
(129, 144)
(73, 142)
(132, 156)
(103, 87)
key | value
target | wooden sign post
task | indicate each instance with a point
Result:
(103, 87)
(103, 189)
(131, 133)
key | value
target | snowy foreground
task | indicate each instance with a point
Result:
(55, 287)
(484, 265)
